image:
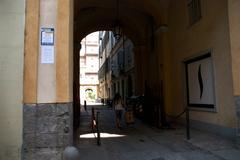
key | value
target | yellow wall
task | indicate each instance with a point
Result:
(12, 14)
(211, 32)
(46, 90)
(234, 25)
(49, 83)
(64, 59)
(31, 51)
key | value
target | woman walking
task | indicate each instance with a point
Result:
(119, 107)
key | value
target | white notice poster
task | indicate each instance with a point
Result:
(47, 54)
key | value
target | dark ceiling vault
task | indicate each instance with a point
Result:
(137, 17)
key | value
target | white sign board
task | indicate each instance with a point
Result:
(47, 54)
(47, 36)
(47, 45)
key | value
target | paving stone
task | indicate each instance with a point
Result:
(46, 110)
(48, 154)
(159, 158)
(142, 142)
(231, 154)
(28, 154)
(63, 140)
(29, 119)
(29, 140)
(62, 109)
(46, 140)
(47, 125)
(200, 155)
(63, 125)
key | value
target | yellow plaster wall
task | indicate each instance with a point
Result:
(49, 83)
(31, 51)
(46, 90)
(162, 47)
(12, 16)
(211, 32)
(64, 60)
(234, 25)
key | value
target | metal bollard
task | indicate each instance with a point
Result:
(98, 132)
(85, 105)
(93, 119)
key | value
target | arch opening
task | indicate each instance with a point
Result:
(139, 23)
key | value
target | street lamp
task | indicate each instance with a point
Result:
(117, 31)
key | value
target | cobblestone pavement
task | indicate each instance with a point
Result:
(142, 142)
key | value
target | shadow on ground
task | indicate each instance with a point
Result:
(142, 142)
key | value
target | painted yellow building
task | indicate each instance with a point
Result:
(39, 64)
(12, 16)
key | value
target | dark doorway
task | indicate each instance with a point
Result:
(130, 86)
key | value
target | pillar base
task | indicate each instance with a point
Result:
(47, 130)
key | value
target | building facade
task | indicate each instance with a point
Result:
(105, 48)
(89, 66)
(116, 72)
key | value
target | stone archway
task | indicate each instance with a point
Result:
(48, 88)
(51, 90)
(140, 21)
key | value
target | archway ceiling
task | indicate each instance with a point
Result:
(154, 8)
(134, 24)
(137, 17)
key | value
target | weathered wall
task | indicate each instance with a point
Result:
(64, 59)
(49, 83)
(31, 51)
(234, 25)
(12, 14)
(48, 108)
(211, 32)
(47, 130)
(46, 90)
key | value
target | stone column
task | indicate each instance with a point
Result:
(48, 118)
(47, 130)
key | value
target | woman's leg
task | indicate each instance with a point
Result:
(118, 118)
